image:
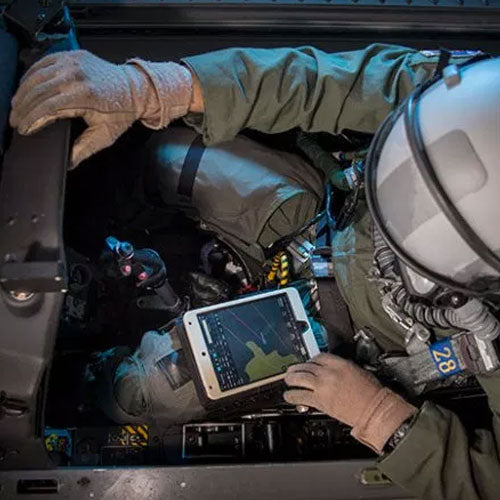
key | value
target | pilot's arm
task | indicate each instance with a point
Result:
(439, 459)
(271, 90)
(275, 90)
(427, 451)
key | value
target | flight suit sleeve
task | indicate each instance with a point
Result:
(439, 460)
(275, 90)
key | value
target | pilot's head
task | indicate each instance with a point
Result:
(433, 182)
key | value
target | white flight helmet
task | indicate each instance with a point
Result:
(433, 180)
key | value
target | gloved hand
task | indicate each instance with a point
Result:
(350, 394)
(109, 97)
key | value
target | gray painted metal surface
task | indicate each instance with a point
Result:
(304, 481)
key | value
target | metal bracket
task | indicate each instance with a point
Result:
(371, 476)
(31, 247)
(38, 276)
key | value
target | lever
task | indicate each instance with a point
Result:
(149, 271)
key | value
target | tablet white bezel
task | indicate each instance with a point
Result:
(198, 345)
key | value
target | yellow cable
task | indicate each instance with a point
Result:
(275, 267)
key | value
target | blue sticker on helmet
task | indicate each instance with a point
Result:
(444, 358)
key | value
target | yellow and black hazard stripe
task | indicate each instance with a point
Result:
(280, 269)
(284, 272)
(275, 267)
(135, 435)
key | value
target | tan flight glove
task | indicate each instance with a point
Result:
(109, 97)
(350, 394)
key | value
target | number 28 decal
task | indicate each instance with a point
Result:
(444, 358)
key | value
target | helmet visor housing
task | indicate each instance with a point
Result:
(433, 179)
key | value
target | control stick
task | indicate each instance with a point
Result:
(149, 272)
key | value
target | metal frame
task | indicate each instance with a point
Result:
(452, 16)
(297, 481)
(32, 265)
(31, 245)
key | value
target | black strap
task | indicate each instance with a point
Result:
(444, 59)
(190, 167)
(334, 313)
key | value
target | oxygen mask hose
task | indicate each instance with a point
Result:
(475, 317)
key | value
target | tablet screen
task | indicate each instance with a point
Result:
(253, 341)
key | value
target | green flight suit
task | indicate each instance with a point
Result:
(278, 89)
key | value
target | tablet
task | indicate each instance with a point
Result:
(241, 345)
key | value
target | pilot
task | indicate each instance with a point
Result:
(422, 252)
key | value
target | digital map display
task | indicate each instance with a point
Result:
(253, 341)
